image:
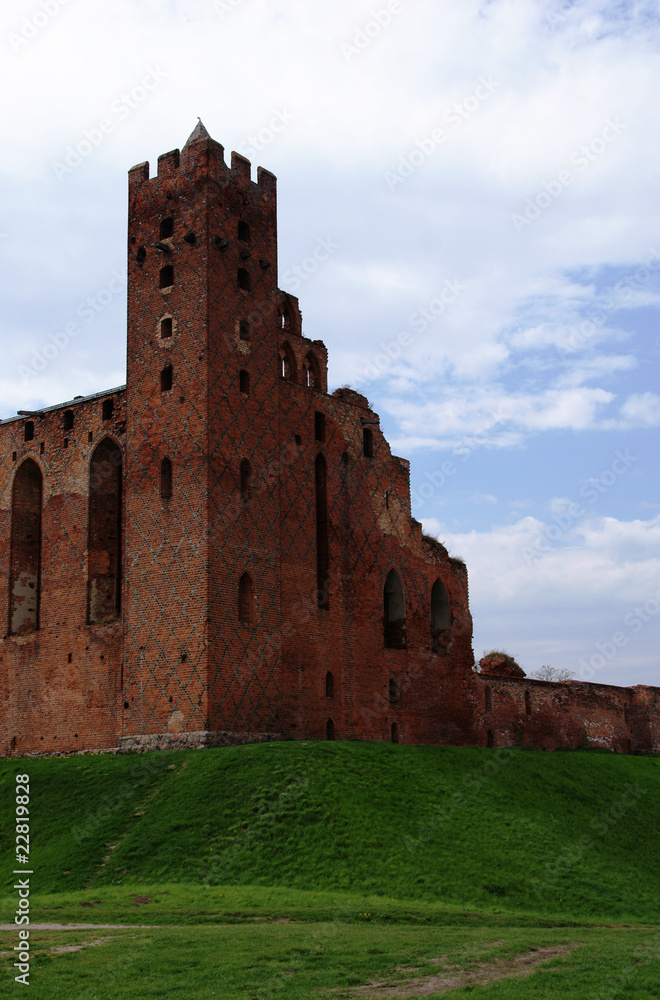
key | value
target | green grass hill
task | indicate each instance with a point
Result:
(571, 833)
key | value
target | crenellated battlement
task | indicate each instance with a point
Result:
(203, 155)
(220, 547)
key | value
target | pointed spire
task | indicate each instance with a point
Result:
(199, 132)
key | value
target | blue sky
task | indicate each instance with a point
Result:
(484, 175)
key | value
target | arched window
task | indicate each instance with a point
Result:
(104, 533)
(394, 691)
(329, 685)
(367, 442)
(488, 698)
(67, 421)
(440, 618)
(243, 231)
(246, 599)
(322, 554)
(246, 479)
(243, 279)
(25, 559)
(244, 381)
(166, 228)
(311, 370)
(166, 277)
(395, 733)
(285, 316)
(287, 363)
(166, 479)
(394, 618)
(166, 377)
(330, 730)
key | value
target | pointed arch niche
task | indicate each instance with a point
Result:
(25, 564)
(394, 612)
(104, 564)
(440, 618)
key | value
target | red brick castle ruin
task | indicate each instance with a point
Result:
(220, 551)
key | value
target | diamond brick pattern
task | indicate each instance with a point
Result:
(167, 656)
(178, 659)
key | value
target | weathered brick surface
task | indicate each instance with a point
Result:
(60, 683)
(547, 716)
(224, 455)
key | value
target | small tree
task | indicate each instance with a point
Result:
(558, 675)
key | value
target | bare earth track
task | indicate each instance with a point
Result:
(448, 979)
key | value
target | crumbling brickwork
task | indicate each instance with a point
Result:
(220, 551)
(572, 714)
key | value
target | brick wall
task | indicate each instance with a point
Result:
(60, 683)
(524, 712)
(224, 460)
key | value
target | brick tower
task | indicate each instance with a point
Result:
(221, 551)
(201, 399)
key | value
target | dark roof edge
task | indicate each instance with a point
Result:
(69, 403)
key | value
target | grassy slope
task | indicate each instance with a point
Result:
(511, 830)
(303, 962)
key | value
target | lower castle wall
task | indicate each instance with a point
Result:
(548, 716)
(60, 692)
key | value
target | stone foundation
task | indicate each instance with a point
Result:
(190, 741)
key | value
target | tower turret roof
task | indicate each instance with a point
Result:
(199, 132)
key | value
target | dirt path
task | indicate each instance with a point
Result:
(80, 927)
(448, 979)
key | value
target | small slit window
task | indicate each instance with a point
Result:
(243, 279)
(394, 617)
(166, 279)
(329, 685)
(528, 703)
(246, 599)
(322, 549)
(246, 479)
(367, 442)
(395, 733)
(107, 409)
(244, 330)
(29, 430)
(166, 228)
(488, 696)
(166, 479)
(394, 691)
(67, 421)
(166, 378)
(319, 427)
(243, 231)
(330, 730)
(244, 381)
(165, 327)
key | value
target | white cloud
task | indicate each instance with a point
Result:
(581, 587)
(486, 374)
(642, 410)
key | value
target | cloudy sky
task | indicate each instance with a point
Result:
(485, 176)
